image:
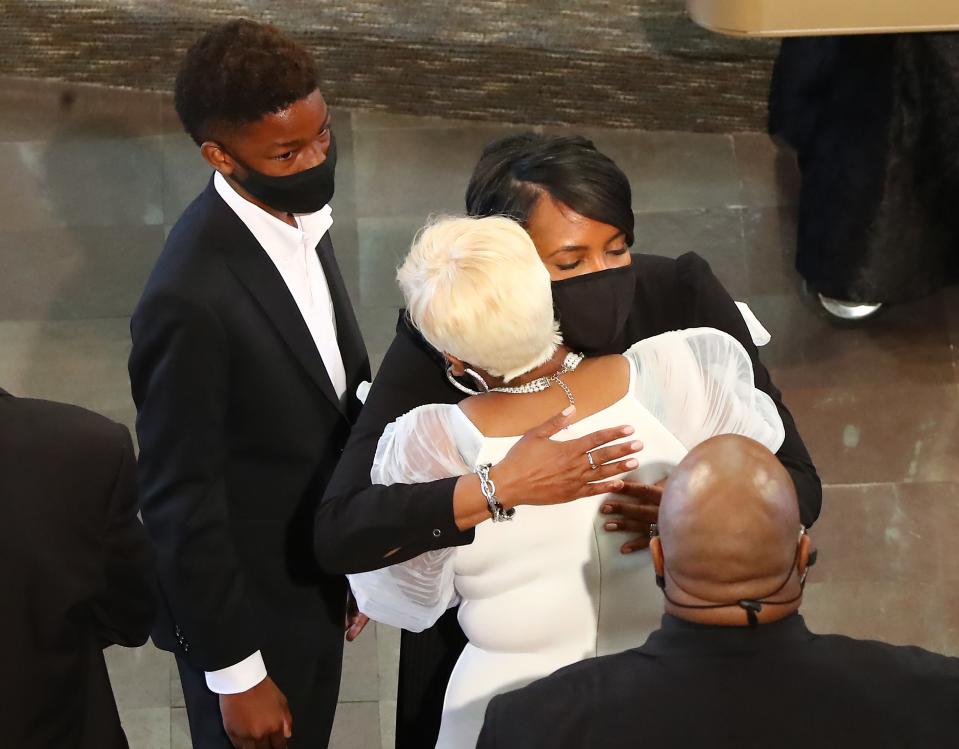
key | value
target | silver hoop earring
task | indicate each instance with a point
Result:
(458, 385)
(484, 388)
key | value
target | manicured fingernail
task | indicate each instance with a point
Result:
(569, 410)
(611, 526)
(628, 550)
(628, 430)
(636, 446)
(632, 463)
(607, 509)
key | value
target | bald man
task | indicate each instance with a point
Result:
(733, 664)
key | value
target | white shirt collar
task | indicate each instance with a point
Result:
(271, 232)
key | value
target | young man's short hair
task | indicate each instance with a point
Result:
(238, 73)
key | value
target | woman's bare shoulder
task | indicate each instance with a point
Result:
(491, 412)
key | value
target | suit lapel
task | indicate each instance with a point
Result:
(254, 269)
(356, 362)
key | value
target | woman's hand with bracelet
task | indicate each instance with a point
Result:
(541, 471)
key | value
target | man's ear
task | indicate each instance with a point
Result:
(805, 546)
(215, 155)
(457, 366)
(656, 552)
(659, 564)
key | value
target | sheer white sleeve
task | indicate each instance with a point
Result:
(699, 384)
(419, 447)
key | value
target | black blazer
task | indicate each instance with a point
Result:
(359, 523)
(734, 687)
(76, 572)
(239, 430)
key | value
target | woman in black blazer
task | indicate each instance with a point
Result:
(576, 204)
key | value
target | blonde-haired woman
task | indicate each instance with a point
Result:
(548, 587)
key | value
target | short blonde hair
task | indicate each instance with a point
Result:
(475, 288)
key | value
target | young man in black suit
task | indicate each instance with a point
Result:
(577, 206)
(76, 572)
(245, 365)
(733, 664)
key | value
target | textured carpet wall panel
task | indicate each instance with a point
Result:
(641, 64)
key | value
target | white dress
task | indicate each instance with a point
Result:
(551, 588)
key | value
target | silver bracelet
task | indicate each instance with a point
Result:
(496, 510)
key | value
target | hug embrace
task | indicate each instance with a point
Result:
(264, 479)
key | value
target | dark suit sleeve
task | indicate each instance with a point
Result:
(358, 523)
(125, 602)
(713, 307)
(489, 736)
(179, 373)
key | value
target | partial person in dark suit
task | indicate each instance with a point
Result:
(576, 205)
(733, 664)
(76, 573)
(245, 366)
(874, 120)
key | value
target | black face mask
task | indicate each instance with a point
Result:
(303, 192)
(592, 309)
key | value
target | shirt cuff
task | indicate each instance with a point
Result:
(757, 332)
(239, 677)
(438, 517)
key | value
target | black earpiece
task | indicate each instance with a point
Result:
(752, 609)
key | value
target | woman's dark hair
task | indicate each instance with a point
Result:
(515, 171)
(237, 73)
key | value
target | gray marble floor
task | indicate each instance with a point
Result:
(94, 178)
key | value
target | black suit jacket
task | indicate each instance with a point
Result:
(76, 572)
(733, 687)
(359, 523)
(239, 430)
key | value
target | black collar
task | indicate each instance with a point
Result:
(404, 327)
(4, 394)
(679, 637)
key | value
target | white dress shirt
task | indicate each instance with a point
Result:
(293, 252)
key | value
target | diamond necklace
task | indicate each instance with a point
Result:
(540, 384)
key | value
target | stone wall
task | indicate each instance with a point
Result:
(623, 64)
